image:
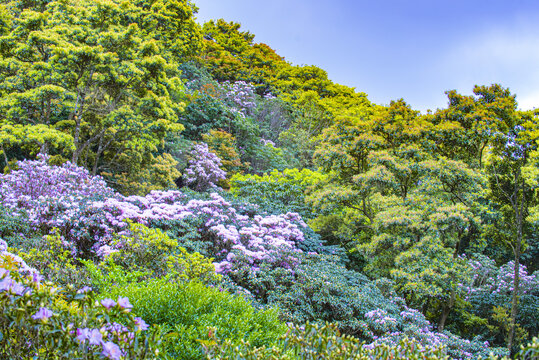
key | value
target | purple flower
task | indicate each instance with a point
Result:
(95, 337)
(84, 290)
(108, 303)
(83, 335)
(6, 283)
(140, 324)
(124, 303)
(36, 277)
(111, 351)
(43, 314)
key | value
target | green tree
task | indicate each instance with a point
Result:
(513, 177)
(103, 72)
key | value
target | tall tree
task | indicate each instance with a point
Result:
(103, 72)
(512, 171)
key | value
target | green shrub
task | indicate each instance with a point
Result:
(189, 310)
(143, 253)
(42, 321)
(311, 342)
(13, 225)
(54, 262)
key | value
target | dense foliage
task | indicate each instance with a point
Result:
(246, 207)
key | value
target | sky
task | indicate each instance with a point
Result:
(392, 49)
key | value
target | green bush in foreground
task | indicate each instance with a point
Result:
(42, 321)
(189, 310)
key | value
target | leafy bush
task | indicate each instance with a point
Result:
(42, 321)
(320, 289)
(490, 294)
(276, 191)
(143, 249)
(312, 342)
(189, 309)
(14, 226)
(56, 264)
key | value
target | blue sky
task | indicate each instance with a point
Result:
(415, 49)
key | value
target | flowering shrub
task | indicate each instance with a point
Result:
(51, 195)
(240, 96)
(487, 277)
(393, 328)
(42, 321)
(203, 171)
(225, 232)
(490, 295)
(320, 289)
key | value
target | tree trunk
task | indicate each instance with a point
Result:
(518, 209)
(516, 290)
(5, 156)
(446, 310)
(76, 141)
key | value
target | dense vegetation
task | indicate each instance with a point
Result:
(177, 191)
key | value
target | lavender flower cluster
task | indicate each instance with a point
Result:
(256, 239)
(203, 171)
(240, 96)
(10, 284)
(487, 278)
(390, 329)
(51, 196)
(267, 142)
(84, 220)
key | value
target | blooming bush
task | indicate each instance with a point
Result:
(50, 195)
(320, 289)
(203, 171)
(490, 294)
(240, 96)
(42, 321)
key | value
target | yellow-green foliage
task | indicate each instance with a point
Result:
(54, 262)
(304, 177)
(159, 174)
(150, 250)
(502, 321)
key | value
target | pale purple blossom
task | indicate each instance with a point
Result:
(82, 335)
(124, 303)
(42, 314)
(95, 337)
(203, 171)
(108, 303)
(111, 351)
(140, 324)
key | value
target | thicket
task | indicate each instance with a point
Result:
(245, 207)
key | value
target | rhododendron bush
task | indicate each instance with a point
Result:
(89, 216)
(203, 171)
(43, 321)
